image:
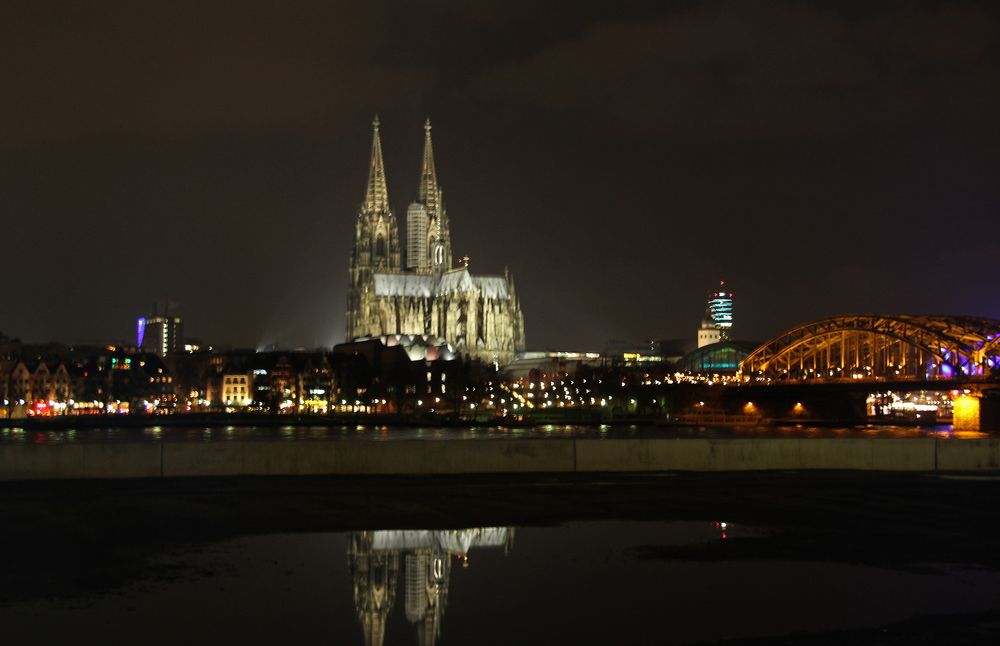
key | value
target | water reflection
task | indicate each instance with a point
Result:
(605, 582)
(422, 559)
(387, 433)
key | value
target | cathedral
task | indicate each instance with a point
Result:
(431, 297)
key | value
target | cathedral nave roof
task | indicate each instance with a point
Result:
(428, 285)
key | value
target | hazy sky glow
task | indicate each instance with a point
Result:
(823, 157)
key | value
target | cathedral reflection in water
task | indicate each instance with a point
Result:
(422, 558)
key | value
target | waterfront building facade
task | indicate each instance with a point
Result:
(479, 316)
(237, 389)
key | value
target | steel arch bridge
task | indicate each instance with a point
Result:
(876, 347)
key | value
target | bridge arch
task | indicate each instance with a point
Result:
(869, 346)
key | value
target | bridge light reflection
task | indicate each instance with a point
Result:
(924, 407)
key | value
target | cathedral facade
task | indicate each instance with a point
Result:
(478, 316)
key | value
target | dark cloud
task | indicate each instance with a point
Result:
(952, 33)
(736, 69)
(181, 67)
(619, 157)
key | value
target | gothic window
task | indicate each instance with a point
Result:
(380, 247)
(480, 322)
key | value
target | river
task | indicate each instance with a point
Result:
(387, 433)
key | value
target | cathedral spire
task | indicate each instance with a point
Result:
(428, 193)
(377, 193)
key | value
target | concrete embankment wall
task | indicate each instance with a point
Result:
(435, 457)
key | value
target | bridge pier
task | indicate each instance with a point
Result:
(966, 409)
(989, 410)
(976, 409)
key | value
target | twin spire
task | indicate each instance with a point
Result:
(377, 192)
(428, 193)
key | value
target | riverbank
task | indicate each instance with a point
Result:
(462, 457)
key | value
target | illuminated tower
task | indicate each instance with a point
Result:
(720, 309)
(376, 237)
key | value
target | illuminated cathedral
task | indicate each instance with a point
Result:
(431, 297)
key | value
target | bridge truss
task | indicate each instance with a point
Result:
(880, 348)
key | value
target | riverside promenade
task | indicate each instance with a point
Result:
(455, 457)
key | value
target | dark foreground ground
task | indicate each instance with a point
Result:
(77, 540)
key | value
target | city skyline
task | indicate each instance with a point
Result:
(313, 312)
(228, 176)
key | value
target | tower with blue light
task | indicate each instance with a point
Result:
(160, 333)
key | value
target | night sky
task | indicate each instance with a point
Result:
(621, 158)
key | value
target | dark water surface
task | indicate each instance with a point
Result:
(592, 583)
(607, 559)
(385, 433)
